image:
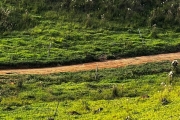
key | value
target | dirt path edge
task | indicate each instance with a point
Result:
(93, 65)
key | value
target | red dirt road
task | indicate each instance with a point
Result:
(91, 66)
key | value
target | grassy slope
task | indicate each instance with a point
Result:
(75, 44)
(80, 92)
(76, 38)
(83, 40)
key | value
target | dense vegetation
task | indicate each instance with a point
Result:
(133, 92)
(53, 32)
(20, 14)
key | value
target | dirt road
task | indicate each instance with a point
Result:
(101, 65)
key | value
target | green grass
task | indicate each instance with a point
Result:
(52, 33)
(71, 43)
(119, 93)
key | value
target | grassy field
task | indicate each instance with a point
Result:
(52, 33)
(139, 92)
(56, 43)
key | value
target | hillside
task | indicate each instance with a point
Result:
(41, 33)
(52, 32)
(17, 15)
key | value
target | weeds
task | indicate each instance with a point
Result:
(20, 84)
(115, 92)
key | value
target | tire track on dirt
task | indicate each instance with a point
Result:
(93, 65)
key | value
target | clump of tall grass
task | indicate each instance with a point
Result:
(20, 83)
(115, 91)
(153, 33)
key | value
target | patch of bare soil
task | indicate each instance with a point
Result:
(93, 65)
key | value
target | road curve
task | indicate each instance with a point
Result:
(93, 65)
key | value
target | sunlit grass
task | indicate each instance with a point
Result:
(78, 95)
(75, 44)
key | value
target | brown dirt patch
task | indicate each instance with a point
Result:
(91, 66)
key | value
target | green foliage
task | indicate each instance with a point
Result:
(92, 13)
(15, 19)
(51, 15)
